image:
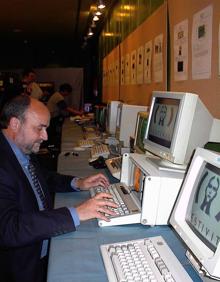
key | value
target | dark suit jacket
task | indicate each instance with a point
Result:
(22, 226)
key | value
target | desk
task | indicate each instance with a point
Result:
(77, 163)
(76, 256)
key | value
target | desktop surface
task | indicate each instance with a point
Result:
(76, 256)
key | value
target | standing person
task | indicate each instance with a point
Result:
(58, 111)
(57, 105)
(32, 88)
(27, 218)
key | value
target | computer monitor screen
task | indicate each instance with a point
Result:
(87, 107)
(141, 127)
(163, 121)
(174, 128)
(204, 214)
(126, 122)
(196, 215)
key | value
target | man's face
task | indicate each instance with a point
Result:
(32, 131)
(211, 190)
(163, 112)
(30, 77)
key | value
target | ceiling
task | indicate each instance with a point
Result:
(55, 20)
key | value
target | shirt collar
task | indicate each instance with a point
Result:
(22, 158)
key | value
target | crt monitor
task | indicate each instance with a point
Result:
(141, 126)
(178, 123)
(112, 108)
(196, 214)
(102, 118)
(126, 121)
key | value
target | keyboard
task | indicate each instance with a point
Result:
(86, 143)
(128, 210)
(148, 259)
(114, 166)
(91, 136)
(100, 150)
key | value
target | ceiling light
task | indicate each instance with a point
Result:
(101, 5)
(95, 18)
(98, 13)
(90, 33)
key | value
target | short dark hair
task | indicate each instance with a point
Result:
(66, 87)
(27, 71)
(16, 107)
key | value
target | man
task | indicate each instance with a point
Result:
(57, 105)
(58, 111)
(27, 219)
(32, 88)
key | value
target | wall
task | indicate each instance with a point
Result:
(207, 86)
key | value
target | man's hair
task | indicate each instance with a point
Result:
(65, 87)
(16, 107)
(27, 71)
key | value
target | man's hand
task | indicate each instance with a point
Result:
(92, 181)
(96, 207)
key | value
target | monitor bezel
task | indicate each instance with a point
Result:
(207, 258)
(180, 131)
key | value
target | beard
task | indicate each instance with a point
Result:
(30, 147)
(33, 148)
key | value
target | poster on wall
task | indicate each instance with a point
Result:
(147, 61)
(140, 65)
(158, 58)
(122, 71)
(181, 51)
(133, 67)
(202, 43)
(127, 69)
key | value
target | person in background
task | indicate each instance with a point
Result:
(27, 217)
(57, 105)
(59, 110)
(31, 87)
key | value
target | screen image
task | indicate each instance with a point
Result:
(142, 126)
(204, 215)
(163, 121)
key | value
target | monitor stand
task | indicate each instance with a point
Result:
(166, 165)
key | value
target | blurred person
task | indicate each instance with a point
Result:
(32, 88)
(59, 110)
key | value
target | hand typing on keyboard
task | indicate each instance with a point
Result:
(100, 206)
(91, 181)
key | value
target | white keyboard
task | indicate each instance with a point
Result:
(128, 210)
(148, 259)
(86, 143)
(100, 150)
(114, 166)
(91, 136)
